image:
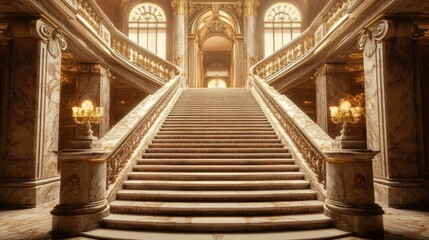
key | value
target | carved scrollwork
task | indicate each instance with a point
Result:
(367, 40)
(53, 37)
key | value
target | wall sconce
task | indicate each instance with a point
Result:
(86, 114)
(349, 111)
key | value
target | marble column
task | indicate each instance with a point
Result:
(391, 112)
(350, 193)
(179, 33)
(331, 85)
(83, 200)
(94, 84)
(251, 12)
(28, 172)
(192, 66)
(239, 80)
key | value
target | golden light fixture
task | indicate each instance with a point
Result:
(86, 114)
(349, 111)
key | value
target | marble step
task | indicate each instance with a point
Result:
(215, 176)
(212, 168)
(216, 196)
(216, 185)
(217, 108)
(216, 121)
(216, 208)
(217, 150)
(208, 137)
(216, 145)
(217, 224)
(216, 155)
(211, 125)
(218, 141)
(117, 234)
(224, 162)
(218, 132)
(216, 118)
(210, 113)
(191, 129)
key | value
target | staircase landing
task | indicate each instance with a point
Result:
(216, 170)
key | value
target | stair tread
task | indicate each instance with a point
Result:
(217, 193)
(116, 234)
(218, 205)
(231, 220)
(217, 173)
(221, 183)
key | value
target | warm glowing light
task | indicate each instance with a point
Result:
(348, 111)
(87, 112)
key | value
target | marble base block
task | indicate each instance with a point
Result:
(402, 193)
(350, 192)
(64, 225)
(362, 220)
(83, 200)
(29, 194)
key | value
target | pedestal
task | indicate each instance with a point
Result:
(83, 200)
(350, 193)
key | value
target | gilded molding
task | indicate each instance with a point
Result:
(49, 35)
(367, 40)
(179, 7)
(251, 7)
(320, 71)
(216, 26)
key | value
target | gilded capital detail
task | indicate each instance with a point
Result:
(179, 7)
(367, 40)
(251, 7)
(53, 37)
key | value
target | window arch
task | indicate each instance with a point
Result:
(147, 26)
(282, 23)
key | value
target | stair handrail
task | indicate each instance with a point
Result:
(302, 47)
(308, 138)
(89, 14)
(125, 137)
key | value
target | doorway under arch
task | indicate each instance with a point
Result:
(215, 39)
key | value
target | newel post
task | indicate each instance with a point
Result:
(82, 192)
(350, 192)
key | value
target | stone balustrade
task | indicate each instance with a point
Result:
(124, 49)
(329, 19)
(343, 177)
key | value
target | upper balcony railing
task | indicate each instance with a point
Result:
(122, 48)
(331, 17)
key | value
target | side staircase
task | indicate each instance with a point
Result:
(216, 170)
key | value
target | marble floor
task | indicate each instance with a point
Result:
(35, 223)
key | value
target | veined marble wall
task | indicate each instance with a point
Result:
(29, 174)
(331, 85)
(391, 112)
(94, 84)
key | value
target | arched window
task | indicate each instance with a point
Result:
(147, 26)
(282, 23)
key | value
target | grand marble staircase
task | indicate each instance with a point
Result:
(216, 170)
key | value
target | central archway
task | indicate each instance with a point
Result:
(215, 39)
(217, 64)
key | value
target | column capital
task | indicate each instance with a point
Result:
(251, 7)
(56, 42)
(179, 7)
(368, 38)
